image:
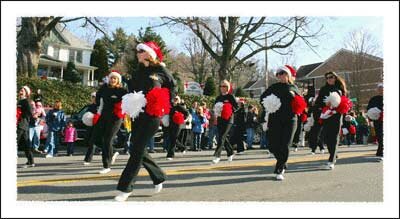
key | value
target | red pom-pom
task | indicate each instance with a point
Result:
(352, 129)
(226, 112)
(118, 110)
(303, 117)
(298, 104)
(158, 102)
(178, 118)
(381, 117)
(96, 118)
(344, 106)
(19, 113)
(320, 121)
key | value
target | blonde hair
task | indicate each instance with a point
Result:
(226, 82)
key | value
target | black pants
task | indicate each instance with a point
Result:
(174, 131)
(238, 137)
(299, 128)
(105, 129)
(90, 147)
(147, 126)
(223, 141)
(23, 142)
(378, 125)
(331, 131)
(316, 137)
(280, 138)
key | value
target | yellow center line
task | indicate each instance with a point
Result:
(199, 169)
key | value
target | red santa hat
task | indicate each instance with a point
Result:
(115, 74)
(153, 49)
(289, 70)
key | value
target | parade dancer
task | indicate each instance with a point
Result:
(177, 117)
(315, 137)
(24, 117)
(331, 115)
(92, 118)
(153, 80)
(375, 113)
(225, 106)
(280, 102)
(109, 98)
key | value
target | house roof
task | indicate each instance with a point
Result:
(249, 84)
(305, 69)
(48, 60)
(72, 40)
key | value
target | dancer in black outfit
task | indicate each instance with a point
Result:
(151, 75)
(315, 138)
(377, 101)
(175, 128)
(282, 123)
(331, 125)
(225, 121)
(24, 117)
(92, 107)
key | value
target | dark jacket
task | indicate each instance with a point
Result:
(55, 120)
(110, 97)
(26, 114)
(251, 120)
(285, 92)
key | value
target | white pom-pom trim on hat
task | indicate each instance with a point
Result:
(218, 108)
(133, 104)
(334, 99)
(87, 119)
(27, 90)
(271, 103)
(142, 46)
(374, 113)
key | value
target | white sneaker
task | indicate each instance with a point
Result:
(239, 153)
(170, 158)
(295, 149)
(28, 165)
(216, 160)
(380, 159)
(104, 170)
(122, 196)
(230, 158)
(322, 151)
(184, 152)
(49, 155)
(312, 153)
(280, 176)
(330, 166)
(86, 163)
(158, 188)
(114, 157)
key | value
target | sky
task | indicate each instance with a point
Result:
(334, 33)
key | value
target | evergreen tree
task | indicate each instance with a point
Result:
(210, 88)
(71, 74)
(99, 59)
(241, 93)
(179, 83)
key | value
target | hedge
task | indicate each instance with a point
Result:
(73, 96)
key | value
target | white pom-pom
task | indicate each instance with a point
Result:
(165, 120)
(334, 99)
(87, 119)
(133, 104)
(309, 123)
(271, 103)
(218, 108)
(265, 126)
(374, 113)
(345, 131)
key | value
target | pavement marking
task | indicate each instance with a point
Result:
(223, 166)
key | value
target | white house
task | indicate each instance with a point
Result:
(61, 47)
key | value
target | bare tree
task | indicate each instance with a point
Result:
(33, 30)
(235, 33)
(364, 46)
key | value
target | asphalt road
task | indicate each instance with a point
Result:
(357, 177)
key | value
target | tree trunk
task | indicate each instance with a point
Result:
(27, 61)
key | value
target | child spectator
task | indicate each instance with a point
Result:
(198, 120)
(70, 136)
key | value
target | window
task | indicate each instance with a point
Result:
(71, 55)
(79, 56)
(56, 52)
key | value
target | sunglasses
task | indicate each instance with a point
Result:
(281, 73)
(223, 86)
(140, 51)
(330, 77)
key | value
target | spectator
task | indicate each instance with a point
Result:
(36, 125)
(198, 119)
(55, 121)
(250, 123)
(70, 136)
(212, 129)
(204, 135)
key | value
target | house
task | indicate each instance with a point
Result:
(362, 73)
(61, 47)
(256, 87)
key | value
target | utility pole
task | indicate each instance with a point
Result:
(266, 63)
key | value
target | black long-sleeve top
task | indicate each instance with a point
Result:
(228, 98)
(147, 78)
(376, 101)
(110, 97)
(324, 92)
(26, 114)
(285, 92)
